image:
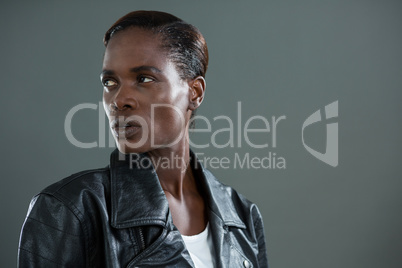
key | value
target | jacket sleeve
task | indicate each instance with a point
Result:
(259, 232)
(52, 235)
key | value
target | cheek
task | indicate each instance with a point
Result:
(168, 122)
(177, 113)
(105, 105)
(172, 105)
(180, 99)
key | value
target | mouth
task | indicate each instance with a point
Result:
(122, 128)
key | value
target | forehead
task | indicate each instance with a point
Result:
(134, 46)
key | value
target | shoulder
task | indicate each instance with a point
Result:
(80, 184)
(74, 193)
(59, 214)
(230, 200)
(238, 198)
(84, 180)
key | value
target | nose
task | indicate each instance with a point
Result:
(123, 99)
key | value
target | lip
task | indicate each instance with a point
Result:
(124, 129)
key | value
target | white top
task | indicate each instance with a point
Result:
(200, 247)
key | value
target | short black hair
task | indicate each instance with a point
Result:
(184, 43)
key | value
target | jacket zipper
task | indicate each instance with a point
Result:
(141, 238)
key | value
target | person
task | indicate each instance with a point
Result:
(154, 205)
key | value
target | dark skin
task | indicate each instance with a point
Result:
(137, 74)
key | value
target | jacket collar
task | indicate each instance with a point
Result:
(138, 198)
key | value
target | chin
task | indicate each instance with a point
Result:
(125, 148)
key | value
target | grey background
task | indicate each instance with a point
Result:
(276, 57)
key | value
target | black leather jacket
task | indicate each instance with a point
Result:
(119, 217)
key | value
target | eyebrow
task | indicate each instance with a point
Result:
(134, 70)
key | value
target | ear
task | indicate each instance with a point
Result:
(197, 91)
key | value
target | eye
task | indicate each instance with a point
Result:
(109, 83)
(144, 79)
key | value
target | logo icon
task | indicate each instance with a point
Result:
(330, 156)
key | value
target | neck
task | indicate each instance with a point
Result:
(172, 167)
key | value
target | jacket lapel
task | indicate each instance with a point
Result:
(138, 199)
(133, 189)
(218, 196)
(222, 214)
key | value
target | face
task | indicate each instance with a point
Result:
(145, 99)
